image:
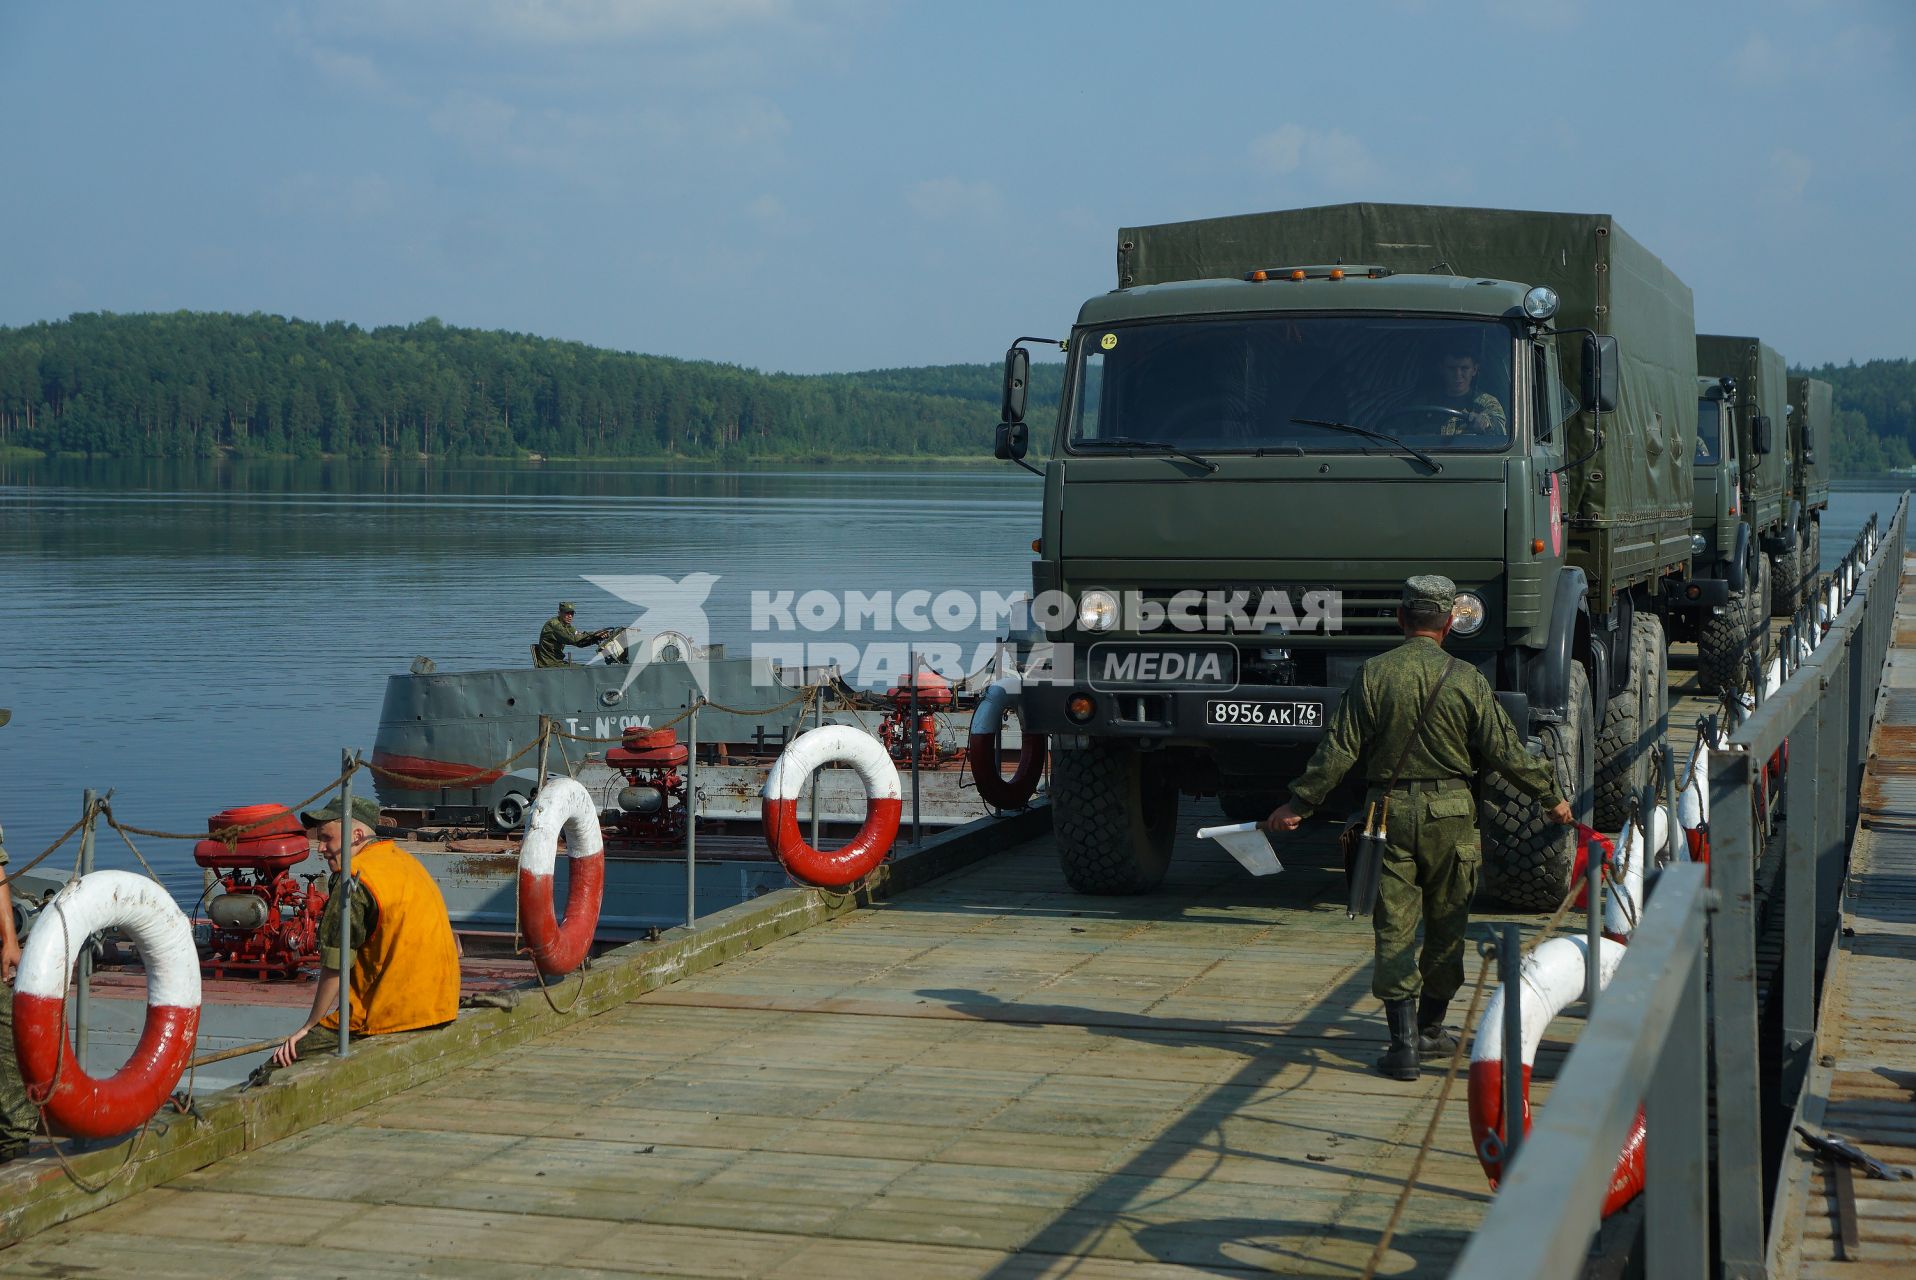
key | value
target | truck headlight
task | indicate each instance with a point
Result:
(1097, 610)
(1698, 544)
(1467, 614)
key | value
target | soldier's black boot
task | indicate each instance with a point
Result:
(1434, 1039)
(1399, 1062)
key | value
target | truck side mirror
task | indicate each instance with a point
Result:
(1014, 441)
(1760, 433)
(1017, 380)
(1600, 373)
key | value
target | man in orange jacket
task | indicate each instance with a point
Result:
(405, 960)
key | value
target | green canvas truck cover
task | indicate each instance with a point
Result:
(1629, 506)
(1761, 388)
(1812, 404)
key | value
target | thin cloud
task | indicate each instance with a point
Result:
(553, 23)
(1539, 15)
(1330, 156)
(357, 198)
(1756, 60)
(955, 200)
(354, 72)
(1791, 170)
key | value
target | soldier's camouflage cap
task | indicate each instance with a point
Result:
(565, 606)
(1431, 592)
(364, 810)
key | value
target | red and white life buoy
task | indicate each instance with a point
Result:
(54, 1076)
(1552, 979)
(832, 744)
(987, 726)
(562, 805)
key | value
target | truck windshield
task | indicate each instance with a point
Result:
(1708, 433)
(1269, 383)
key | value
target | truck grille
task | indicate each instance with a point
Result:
(1364, 612)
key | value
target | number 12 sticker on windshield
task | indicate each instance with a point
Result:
(1108, 341)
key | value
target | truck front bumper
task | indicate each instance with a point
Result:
(1700, 593)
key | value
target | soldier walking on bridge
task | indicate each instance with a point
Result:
(1433, 721)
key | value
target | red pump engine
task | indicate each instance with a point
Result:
(653, 801)
(265, 921)
(934, 695)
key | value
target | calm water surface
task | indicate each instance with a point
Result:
(197, 636)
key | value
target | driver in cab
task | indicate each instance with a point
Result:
(1467, 412)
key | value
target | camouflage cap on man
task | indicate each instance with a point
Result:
(1429, 593)
(565, 606)
(365, 810)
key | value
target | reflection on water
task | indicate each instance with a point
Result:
(199, 635)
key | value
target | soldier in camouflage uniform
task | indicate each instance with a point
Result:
(1480, 413)
(1430, 869)
(18, 1117)
(557, 634)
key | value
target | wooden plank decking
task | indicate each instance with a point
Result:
(1863, 1086)
(991, 1076)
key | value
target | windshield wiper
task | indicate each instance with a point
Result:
(1356, 430)
(1129, 442)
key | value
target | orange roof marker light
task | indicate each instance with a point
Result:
(1336, 271)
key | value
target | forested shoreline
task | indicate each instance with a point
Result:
(200, 385)
(190, 384)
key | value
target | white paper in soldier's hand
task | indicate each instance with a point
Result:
(1246, 842)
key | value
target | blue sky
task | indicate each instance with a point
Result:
(842, 184)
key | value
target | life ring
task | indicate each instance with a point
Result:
(828, 744)
(55, 1078)
(987, 723)
(562, 805)
(1552, 979)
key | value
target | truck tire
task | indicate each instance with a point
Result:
(1623, 752)
(1725, 638)
(1791, 574)
(1115, 818)
(1527, 858)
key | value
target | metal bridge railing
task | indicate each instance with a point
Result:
(1647, 1041)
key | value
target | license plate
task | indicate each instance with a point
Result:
(1285, 715)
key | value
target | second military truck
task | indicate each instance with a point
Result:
(1271, 423)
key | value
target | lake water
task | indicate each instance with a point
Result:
(197, 636)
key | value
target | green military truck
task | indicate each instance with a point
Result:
(1812, 408)
(1743, 538)
(1307, 407)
